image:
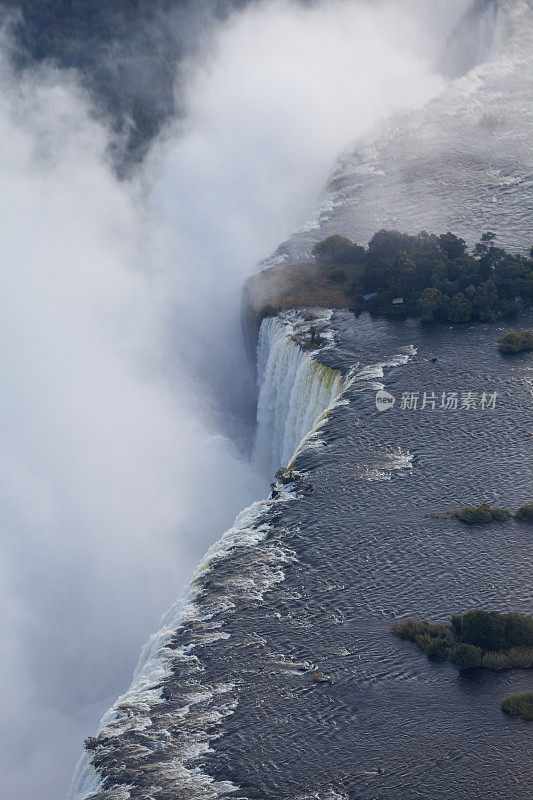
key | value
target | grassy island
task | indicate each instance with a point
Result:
(514, 342)
(475, 639)
(484, 513)
(519, 705)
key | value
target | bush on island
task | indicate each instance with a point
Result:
(500, 514)
(516, 657)
(437, 650)
(493, 631)
(514, 342)
(525, 513)
(519, 704)
(477, 638)
(466, 656)
(481, 514)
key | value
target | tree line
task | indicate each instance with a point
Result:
(430, 276)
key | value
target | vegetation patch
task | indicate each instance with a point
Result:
(286, 475)
(475, 639)
(514, 342)
(484, 513)
(519, 704)
(93, 743)
(525, 513)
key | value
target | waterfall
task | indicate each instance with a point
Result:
(294, 391)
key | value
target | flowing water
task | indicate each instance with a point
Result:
(311, 579)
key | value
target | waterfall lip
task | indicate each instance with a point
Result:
(295, 387)
(133, 710)
(298, 390)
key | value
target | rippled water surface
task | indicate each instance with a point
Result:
(366, 554)
(321, 576)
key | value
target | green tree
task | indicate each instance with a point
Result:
(460, 308)
(338, 249)
(452, 245)
(428, 304)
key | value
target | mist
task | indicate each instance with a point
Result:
(127, 398)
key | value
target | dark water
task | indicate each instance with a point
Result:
(337, 565)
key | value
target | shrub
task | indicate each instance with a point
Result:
(500, 514)
(493, 631)
(286, 475)
(409, 629)
(515, 658)
(473, 515)
(525, 513)
(457, 625)
(519, 704)
(514, 342)
(466, 656)
(433, 638)
(419, 630)
(437, 649)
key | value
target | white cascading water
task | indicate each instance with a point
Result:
(294, 391)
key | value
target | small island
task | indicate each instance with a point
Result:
(429, 276)
(514, 342)
(475, 639)
(519, 704)
(484, 513)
